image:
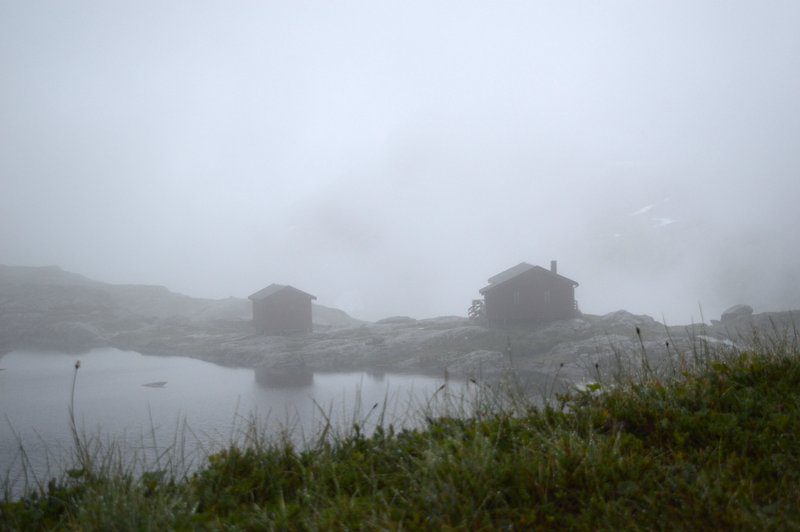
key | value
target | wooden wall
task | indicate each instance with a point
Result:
(283, 312)
(530, 297)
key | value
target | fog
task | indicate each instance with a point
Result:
(388, 157)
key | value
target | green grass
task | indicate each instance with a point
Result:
(708, 443)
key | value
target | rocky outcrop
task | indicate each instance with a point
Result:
(736, 312)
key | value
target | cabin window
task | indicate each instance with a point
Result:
(547, 296)
(516, 297)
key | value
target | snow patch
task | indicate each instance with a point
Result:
(642, 210)
(662, 222)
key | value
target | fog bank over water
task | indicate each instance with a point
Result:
(390, 158)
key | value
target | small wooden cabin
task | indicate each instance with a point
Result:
(280, 309)
(529, 294)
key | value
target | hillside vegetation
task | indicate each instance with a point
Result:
(708, 440)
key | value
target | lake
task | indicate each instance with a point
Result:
(146, 404)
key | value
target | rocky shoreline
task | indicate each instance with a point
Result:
(49, 309)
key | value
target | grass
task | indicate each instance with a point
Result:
(707, 440)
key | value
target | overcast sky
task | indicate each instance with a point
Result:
(389, 157)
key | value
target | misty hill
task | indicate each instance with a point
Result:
(48, 307)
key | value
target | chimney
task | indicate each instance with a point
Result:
(554, 266)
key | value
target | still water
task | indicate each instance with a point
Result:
(191, 404)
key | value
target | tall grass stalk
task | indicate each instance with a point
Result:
(81, 451)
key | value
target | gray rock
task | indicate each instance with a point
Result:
(397, 320)
(75, 335)
(737, 312)
(475, 363)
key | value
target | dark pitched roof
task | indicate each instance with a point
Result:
(510, 273)
(518, 270)
(273, 289)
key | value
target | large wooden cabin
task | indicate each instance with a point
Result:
(529, 294)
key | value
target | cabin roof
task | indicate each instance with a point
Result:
(273, 289)
(516, 271)
(510, 273)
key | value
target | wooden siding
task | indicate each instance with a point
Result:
(532, 296)
(283, 312)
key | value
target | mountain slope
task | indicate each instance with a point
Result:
(47, 307)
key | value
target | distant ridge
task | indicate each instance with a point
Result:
(33, 298)
(42, 275)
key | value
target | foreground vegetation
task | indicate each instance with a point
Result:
(706, 442)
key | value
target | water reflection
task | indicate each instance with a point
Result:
(148, 404)
(284, 377)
